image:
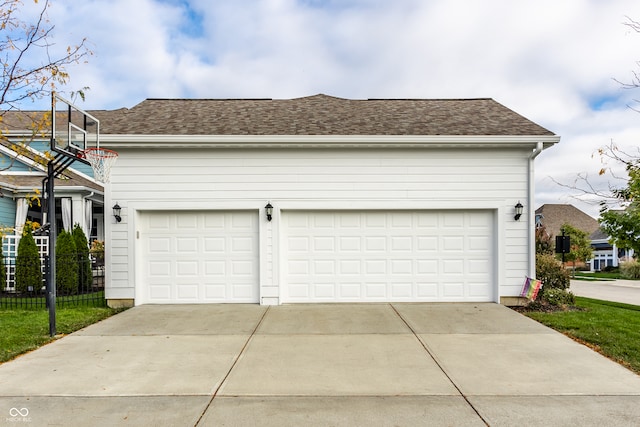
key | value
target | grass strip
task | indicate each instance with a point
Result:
(25, 330)
(611, 328)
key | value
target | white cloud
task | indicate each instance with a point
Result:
(553, 62)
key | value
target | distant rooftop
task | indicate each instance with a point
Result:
(555, 215)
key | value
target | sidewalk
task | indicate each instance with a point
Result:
(624, 291)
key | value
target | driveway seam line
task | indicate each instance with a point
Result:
(439, 365)
(233, 365)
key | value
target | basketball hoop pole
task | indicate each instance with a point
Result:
(71, 147)
(51, 259)
(63, 158)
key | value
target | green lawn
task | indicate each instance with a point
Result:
(610, 328)
(25, 330)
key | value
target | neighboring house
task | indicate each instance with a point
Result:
(78, 197)
(554, 216)
(605, 254)
(373, 200)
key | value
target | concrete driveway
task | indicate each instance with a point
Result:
(368, 364)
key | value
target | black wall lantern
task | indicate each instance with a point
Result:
(519, 208)
(269, 211)
(116, 212)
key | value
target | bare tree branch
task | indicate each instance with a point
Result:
(31, 68)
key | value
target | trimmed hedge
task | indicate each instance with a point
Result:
(85, 275)
(28, 269)
(66, 264)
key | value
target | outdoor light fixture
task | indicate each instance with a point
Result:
(116, 212)
(519, 208)
(269, 210)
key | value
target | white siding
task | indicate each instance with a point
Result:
(173, 179)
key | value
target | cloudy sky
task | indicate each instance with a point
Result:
(553, 61)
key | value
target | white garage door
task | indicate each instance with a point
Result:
(344, 256)
(199, 257)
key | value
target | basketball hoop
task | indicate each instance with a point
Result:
(101, 160)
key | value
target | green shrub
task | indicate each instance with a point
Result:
(28, 269)
(630, 270)
(558, 297)
(551, 272)
(66, 264)
(85, 276)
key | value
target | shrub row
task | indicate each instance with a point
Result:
(73, 264)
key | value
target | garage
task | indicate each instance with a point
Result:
(198, 257)
(320, 199)
(378, 256)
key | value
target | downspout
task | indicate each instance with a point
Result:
(531, 212)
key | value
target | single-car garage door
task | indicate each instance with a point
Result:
(198, 257)
(367, 256)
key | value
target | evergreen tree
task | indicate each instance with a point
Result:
(66, 264)
(85, 276)
(28, 269)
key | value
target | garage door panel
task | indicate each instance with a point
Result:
(215, 291)
(387, 256)
(187, 244)
(186, 222)
(194, 257)
(428, 291)
(214, 268)
(158, 245)
(158, 223)
(453, 290)
(214, 244)
(478, 243)
(213, 221)
(187, 292)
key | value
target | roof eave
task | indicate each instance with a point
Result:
(326, 141)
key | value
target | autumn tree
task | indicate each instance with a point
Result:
(580, 250)
(32, 65)
(622, 222)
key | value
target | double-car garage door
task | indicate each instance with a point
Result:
(323, 256)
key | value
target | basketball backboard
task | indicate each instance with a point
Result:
(73, 129)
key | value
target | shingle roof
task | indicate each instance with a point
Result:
(70, 177)
(317, 115)
(555, 215)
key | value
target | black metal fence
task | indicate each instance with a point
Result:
(78, 283)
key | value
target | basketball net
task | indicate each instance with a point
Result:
(101, 160)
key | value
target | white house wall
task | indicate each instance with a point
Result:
(315, 179)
